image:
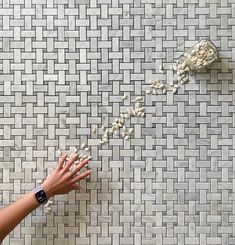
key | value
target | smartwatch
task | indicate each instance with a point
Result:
(40, 195)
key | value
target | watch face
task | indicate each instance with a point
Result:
(41, 196)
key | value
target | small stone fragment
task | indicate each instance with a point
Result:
(127, 137)
(87, 149)
(138, 98)
(83, 146)
(105, 140)
(148, 91)
(174, 90)
(124, 97)
(131, 130)
(93, 130)
(39, 181)
(46, 205)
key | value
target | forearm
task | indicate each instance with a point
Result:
(13, 214)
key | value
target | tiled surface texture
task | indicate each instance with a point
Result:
(65, 64)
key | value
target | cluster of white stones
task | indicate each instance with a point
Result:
(156, 87)
(195, 60)
(118, 126)
(46, 208)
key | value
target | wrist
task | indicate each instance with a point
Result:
(47, 189)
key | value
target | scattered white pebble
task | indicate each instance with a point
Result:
(83, 146)
(174, 90)
(105, 140)
(50, 201)
(89, 158)
(127, 137)
(148, 91)
(93, 130)
(75, 150)
(87, 149)
(164, 91)
(46, 205)
(124, 97)
(39, 181)
(138, 98)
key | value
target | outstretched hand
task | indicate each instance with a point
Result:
(63, 180)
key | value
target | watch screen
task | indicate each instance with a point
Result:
(41, 196)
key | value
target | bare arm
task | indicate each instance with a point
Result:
(61, 181)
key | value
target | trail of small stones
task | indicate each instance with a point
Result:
(118, 126)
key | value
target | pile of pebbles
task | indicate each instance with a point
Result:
(194, 60)
(118, 126)
(156, 87)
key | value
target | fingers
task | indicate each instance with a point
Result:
(70, 162)
(79, 166)
(81, 176)
(61, 161)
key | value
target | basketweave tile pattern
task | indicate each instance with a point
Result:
(65, 64)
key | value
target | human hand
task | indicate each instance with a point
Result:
(63, 180)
